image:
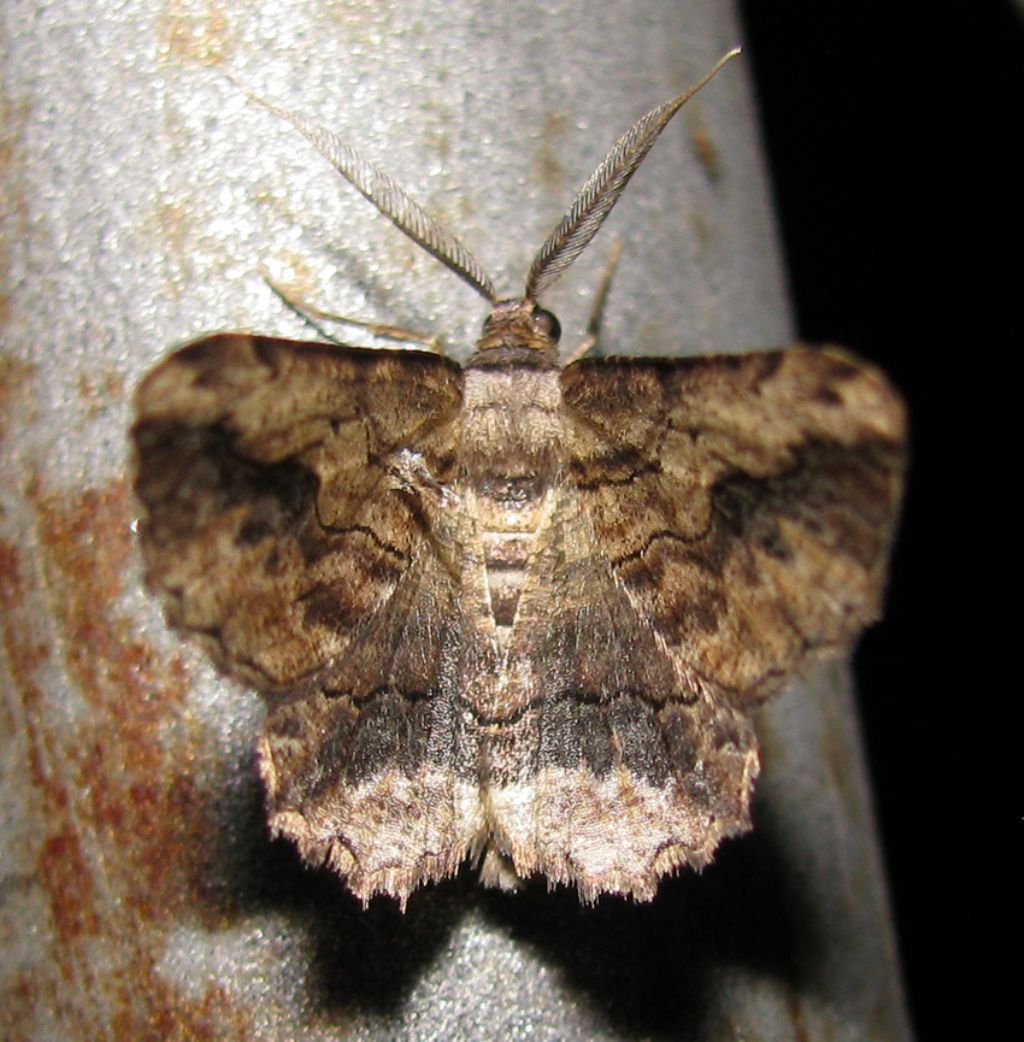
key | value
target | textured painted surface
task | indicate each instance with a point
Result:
(139, 897)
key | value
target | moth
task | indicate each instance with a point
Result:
(513, 612)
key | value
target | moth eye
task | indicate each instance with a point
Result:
(546, 323)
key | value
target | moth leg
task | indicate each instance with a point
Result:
(310, 314)
(597, 312)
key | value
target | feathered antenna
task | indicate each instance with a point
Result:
(390, 198)
(595, 199)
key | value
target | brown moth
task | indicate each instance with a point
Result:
(511, 611)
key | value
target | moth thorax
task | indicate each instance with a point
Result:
(513, 448)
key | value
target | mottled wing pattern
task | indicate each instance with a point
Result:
(724, 519)
(746, 503)
(280, 524)
(619, 769)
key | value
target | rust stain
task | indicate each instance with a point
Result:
(134, 794)
(19, 1003)
(13, 201)
(436, 136)
(65, 875)
(210, 1018)
(194, 32)
(547, 159)
(86, 540)
(172, 223)
(700, 227)
(23, 652)
(123, 827)
(704, 147)
(100, 389)
(61, 868)
(16, 377)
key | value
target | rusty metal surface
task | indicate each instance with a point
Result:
(139, 896)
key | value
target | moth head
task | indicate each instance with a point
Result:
(520, 322)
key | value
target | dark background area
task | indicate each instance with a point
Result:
(895, 133)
